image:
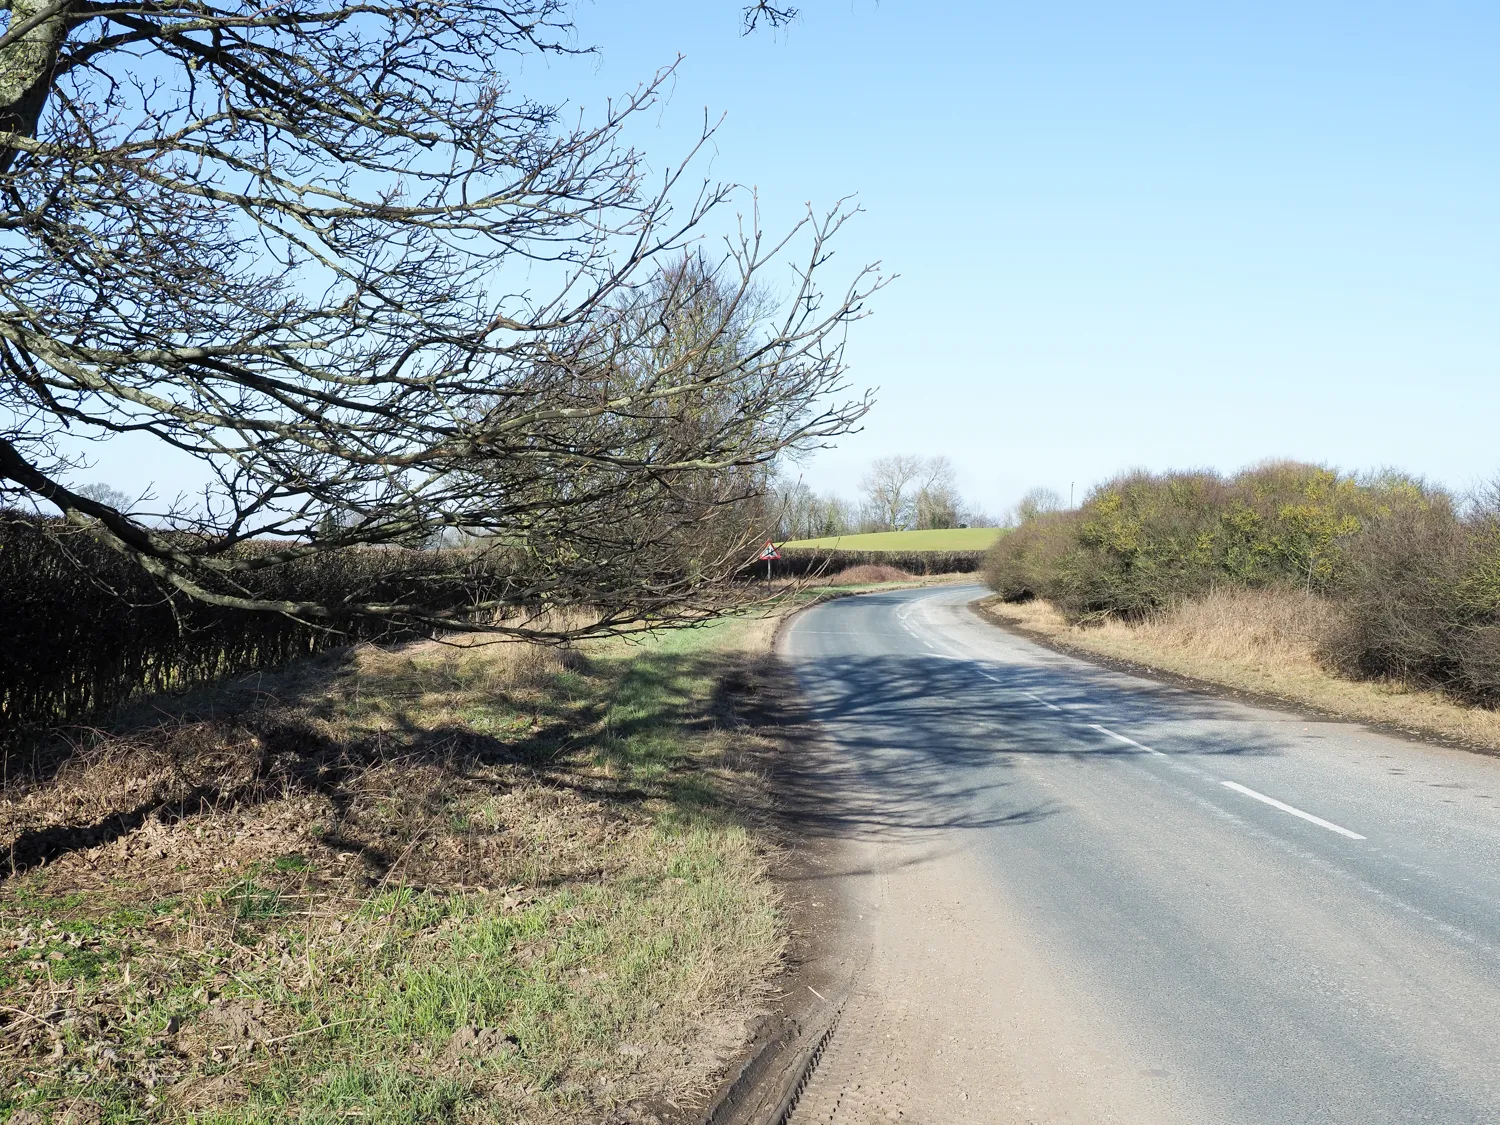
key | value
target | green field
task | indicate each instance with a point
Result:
(948, 539)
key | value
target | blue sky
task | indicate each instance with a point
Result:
(1127, 235)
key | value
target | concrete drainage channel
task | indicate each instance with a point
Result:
(769, 1085)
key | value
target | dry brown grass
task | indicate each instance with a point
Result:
(1263, 641)
(867, 574)
(462, 882)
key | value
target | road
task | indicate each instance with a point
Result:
(1077, 895)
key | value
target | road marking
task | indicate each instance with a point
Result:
(1286, 808)
(1130, 742)
(1027, 694)
(1234, 785)
(1039, 699)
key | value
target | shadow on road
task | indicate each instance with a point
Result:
(902, 746)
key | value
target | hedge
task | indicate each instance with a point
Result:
(812, 562)
(86, 629)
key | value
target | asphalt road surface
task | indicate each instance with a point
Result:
(1077, 895)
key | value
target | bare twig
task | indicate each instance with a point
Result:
(328, 251)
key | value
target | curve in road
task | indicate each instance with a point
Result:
(1078, 895)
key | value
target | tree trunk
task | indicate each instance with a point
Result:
(26, 64)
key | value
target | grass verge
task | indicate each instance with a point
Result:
(466, 883)
(1260, 641)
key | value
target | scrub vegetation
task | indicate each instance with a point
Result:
(1286, 574)
(452, 882)
(1142, 542)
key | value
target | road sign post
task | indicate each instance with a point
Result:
(769, 554)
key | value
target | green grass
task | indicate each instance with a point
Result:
(947, 539)
(616, 899)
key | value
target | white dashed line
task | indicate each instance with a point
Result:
(1284, 807)
(1127, 741)
(1043, 702)
(901, 616)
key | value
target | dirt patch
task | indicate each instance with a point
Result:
(480, 1043)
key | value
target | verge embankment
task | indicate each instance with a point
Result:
(438, 882)
(456, 881)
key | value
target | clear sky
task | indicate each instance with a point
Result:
(1127, 235)
(1160, 235)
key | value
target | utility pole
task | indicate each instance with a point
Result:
(1070, 495)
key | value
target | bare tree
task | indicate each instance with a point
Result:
(1038, 501)
(802, 513)
(107, 494)
(971, 515)
(795, 511)
(329, 251)
(905, 492)
(834, 516)
(890, 490)
(937, 503)
(764, 10)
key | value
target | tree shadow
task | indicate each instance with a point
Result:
(582, 727)
(908, 746)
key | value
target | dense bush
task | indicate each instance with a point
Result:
(85, 628)
(1142, 541)
(1419, 600)
(1414, 580)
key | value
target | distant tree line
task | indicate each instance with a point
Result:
(899, 493)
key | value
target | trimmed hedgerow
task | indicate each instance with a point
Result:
(798, 562)
(86, 629)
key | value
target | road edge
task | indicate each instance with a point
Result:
(1199, 686)
(763, 1085)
